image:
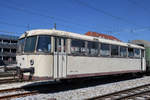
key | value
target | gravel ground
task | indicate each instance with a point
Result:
(88, 92)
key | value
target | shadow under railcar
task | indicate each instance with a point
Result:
(65, 85)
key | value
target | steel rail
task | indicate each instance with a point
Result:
(118, 93)
(11, 80)
(133, 96)
(18, 95)
(25, 93)
(11, 89)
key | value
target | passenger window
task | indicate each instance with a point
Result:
(92, 48)
(44, 44)
(65, 46)
(123, 51)
(59, 44)
(78, 47)
(137, 53)
(114, 50)
(104, 50)
(130, 52)
(55, 45)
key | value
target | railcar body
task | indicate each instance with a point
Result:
(56, 54)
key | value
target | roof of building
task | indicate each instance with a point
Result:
(9, 37)
(95, 34)
(75, 36)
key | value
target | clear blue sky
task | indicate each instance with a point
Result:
(125, 19)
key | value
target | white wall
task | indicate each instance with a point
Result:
(85, 65)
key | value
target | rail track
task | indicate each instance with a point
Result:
(137, 93)
(52, 87)
(12, 80)
(9, 77)
(7, 94)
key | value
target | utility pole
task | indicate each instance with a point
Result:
(55, 26)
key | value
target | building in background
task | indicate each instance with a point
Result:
(95, 34)
(8, 48)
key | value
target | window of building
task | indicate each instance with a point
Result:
(130, 52)
(30, 44)
(92, 48)
(13, 41)
(123, 51)
(105, 50)
(78, 47)
(44, 44)
(137, 53)
(13, 50)
(6, 50)
(6, 41)
(1, 62)
(14, 58)
(114, 50)
(5, 58)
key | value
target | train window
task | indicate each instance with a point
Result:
(92, 48)
(114, 50)
(137, 53)
(105, 50)
(123, 51)
(130, 52)
(78, 47)
(65, 46)
(142, 53)
(30, 44)
(20, 45)
(57, 44)
(44, 44)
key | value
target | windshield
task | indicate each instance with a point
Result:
(30, 44)
(44, 44)
(20, 45)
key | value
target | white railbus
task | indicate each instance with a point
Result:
(55, 54)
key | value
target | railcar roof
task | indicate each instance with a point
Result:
(76, 36)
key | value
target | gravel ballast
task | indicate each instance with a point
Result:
(88, 92)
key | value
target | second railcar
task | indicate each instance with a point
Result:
(146, 45)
